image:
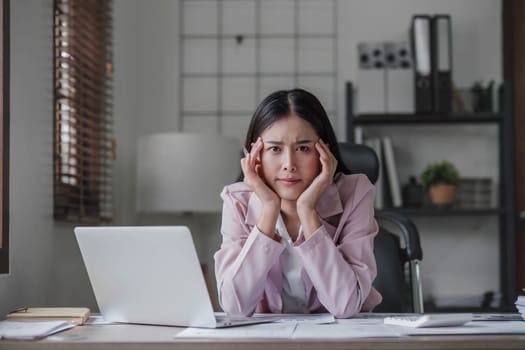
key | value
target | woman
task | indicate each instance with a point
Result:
(297, 232)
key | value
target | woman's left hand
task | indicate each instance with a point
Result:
(308, 199)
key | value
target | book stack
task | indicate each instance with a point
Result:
(520, 305)
(388, 188)
(74, 315)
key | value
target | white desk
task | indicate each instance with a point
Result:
(155, 337)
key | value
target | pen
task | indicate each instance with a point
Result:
(20, 309)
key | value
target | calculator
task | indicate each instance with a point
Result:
(429, 320)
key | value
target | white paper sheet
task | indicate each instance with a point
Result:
(28, 330)
(97, 320)
(322, 318)
(266, 330)
(344, 329)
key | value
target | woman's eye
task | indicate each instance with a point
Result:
(303, 148)
(274, 149)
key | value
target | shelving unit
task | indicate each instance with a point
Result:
(454, 118)
(505, 211)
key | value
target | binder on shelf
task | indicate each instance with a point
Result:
(391, 172)
(442, 63)
(421, 39)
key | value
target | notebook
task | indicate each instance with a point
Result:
(74, 315)
(149, 275)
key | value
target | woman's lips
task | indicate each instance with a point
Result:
(289, 182)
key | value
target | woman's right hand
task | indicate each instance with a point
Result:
(271, 202)
(251, 168)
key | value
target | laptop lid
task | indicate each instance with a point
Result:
(148, 275)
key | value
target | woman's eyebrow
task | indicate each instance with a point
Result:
(300, 142)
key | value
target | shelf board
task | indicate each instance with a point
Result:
(454, 118)
(447, 211)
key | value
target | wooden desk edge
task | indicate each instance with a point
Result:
(463, 342)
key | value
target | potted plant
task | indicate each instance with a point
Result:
(441, 179)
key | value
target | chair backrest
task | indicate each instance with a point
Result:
(360, 159)
(398, 279)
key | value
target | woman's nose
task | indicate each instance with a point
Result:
(289, 162)
(290, 168)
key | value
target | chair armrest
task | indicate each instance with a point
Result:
(408, 230)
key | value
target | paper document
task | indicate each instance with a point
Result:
(323, 318)
(98, 320)
(265, 330)
(360, 326)
(345, 329)
(28, 330)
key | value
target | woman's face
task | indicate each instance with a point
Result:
(289, 160)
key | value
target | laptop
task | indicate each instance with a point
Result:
(150, 275)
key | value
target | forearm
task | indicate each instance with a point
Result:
(268, 219)
(242, 273)
(342, 284)
(309, 221)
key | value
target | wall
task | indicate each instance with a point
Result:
(45, 263)
(476, 56)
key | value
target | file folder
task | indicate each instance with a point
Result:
(442, 63)
(421, 38)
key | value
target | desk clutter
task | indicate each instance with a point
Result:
(369, 325)
(290, 326)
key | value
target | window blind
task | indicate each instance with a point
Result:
(84, 147)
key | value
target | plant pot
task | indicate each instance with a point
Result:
(443, 195)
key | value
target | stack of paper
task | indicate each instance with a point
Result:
(520, 305)
(31, 330)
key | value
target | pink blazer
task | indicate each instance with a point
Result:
(338, 259)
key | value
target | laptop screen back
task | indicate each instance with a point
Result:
(148, 275)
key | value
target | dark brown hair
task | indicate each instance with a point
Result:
(301, 103)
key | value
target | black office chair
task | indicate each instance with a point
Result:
(398, 276)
